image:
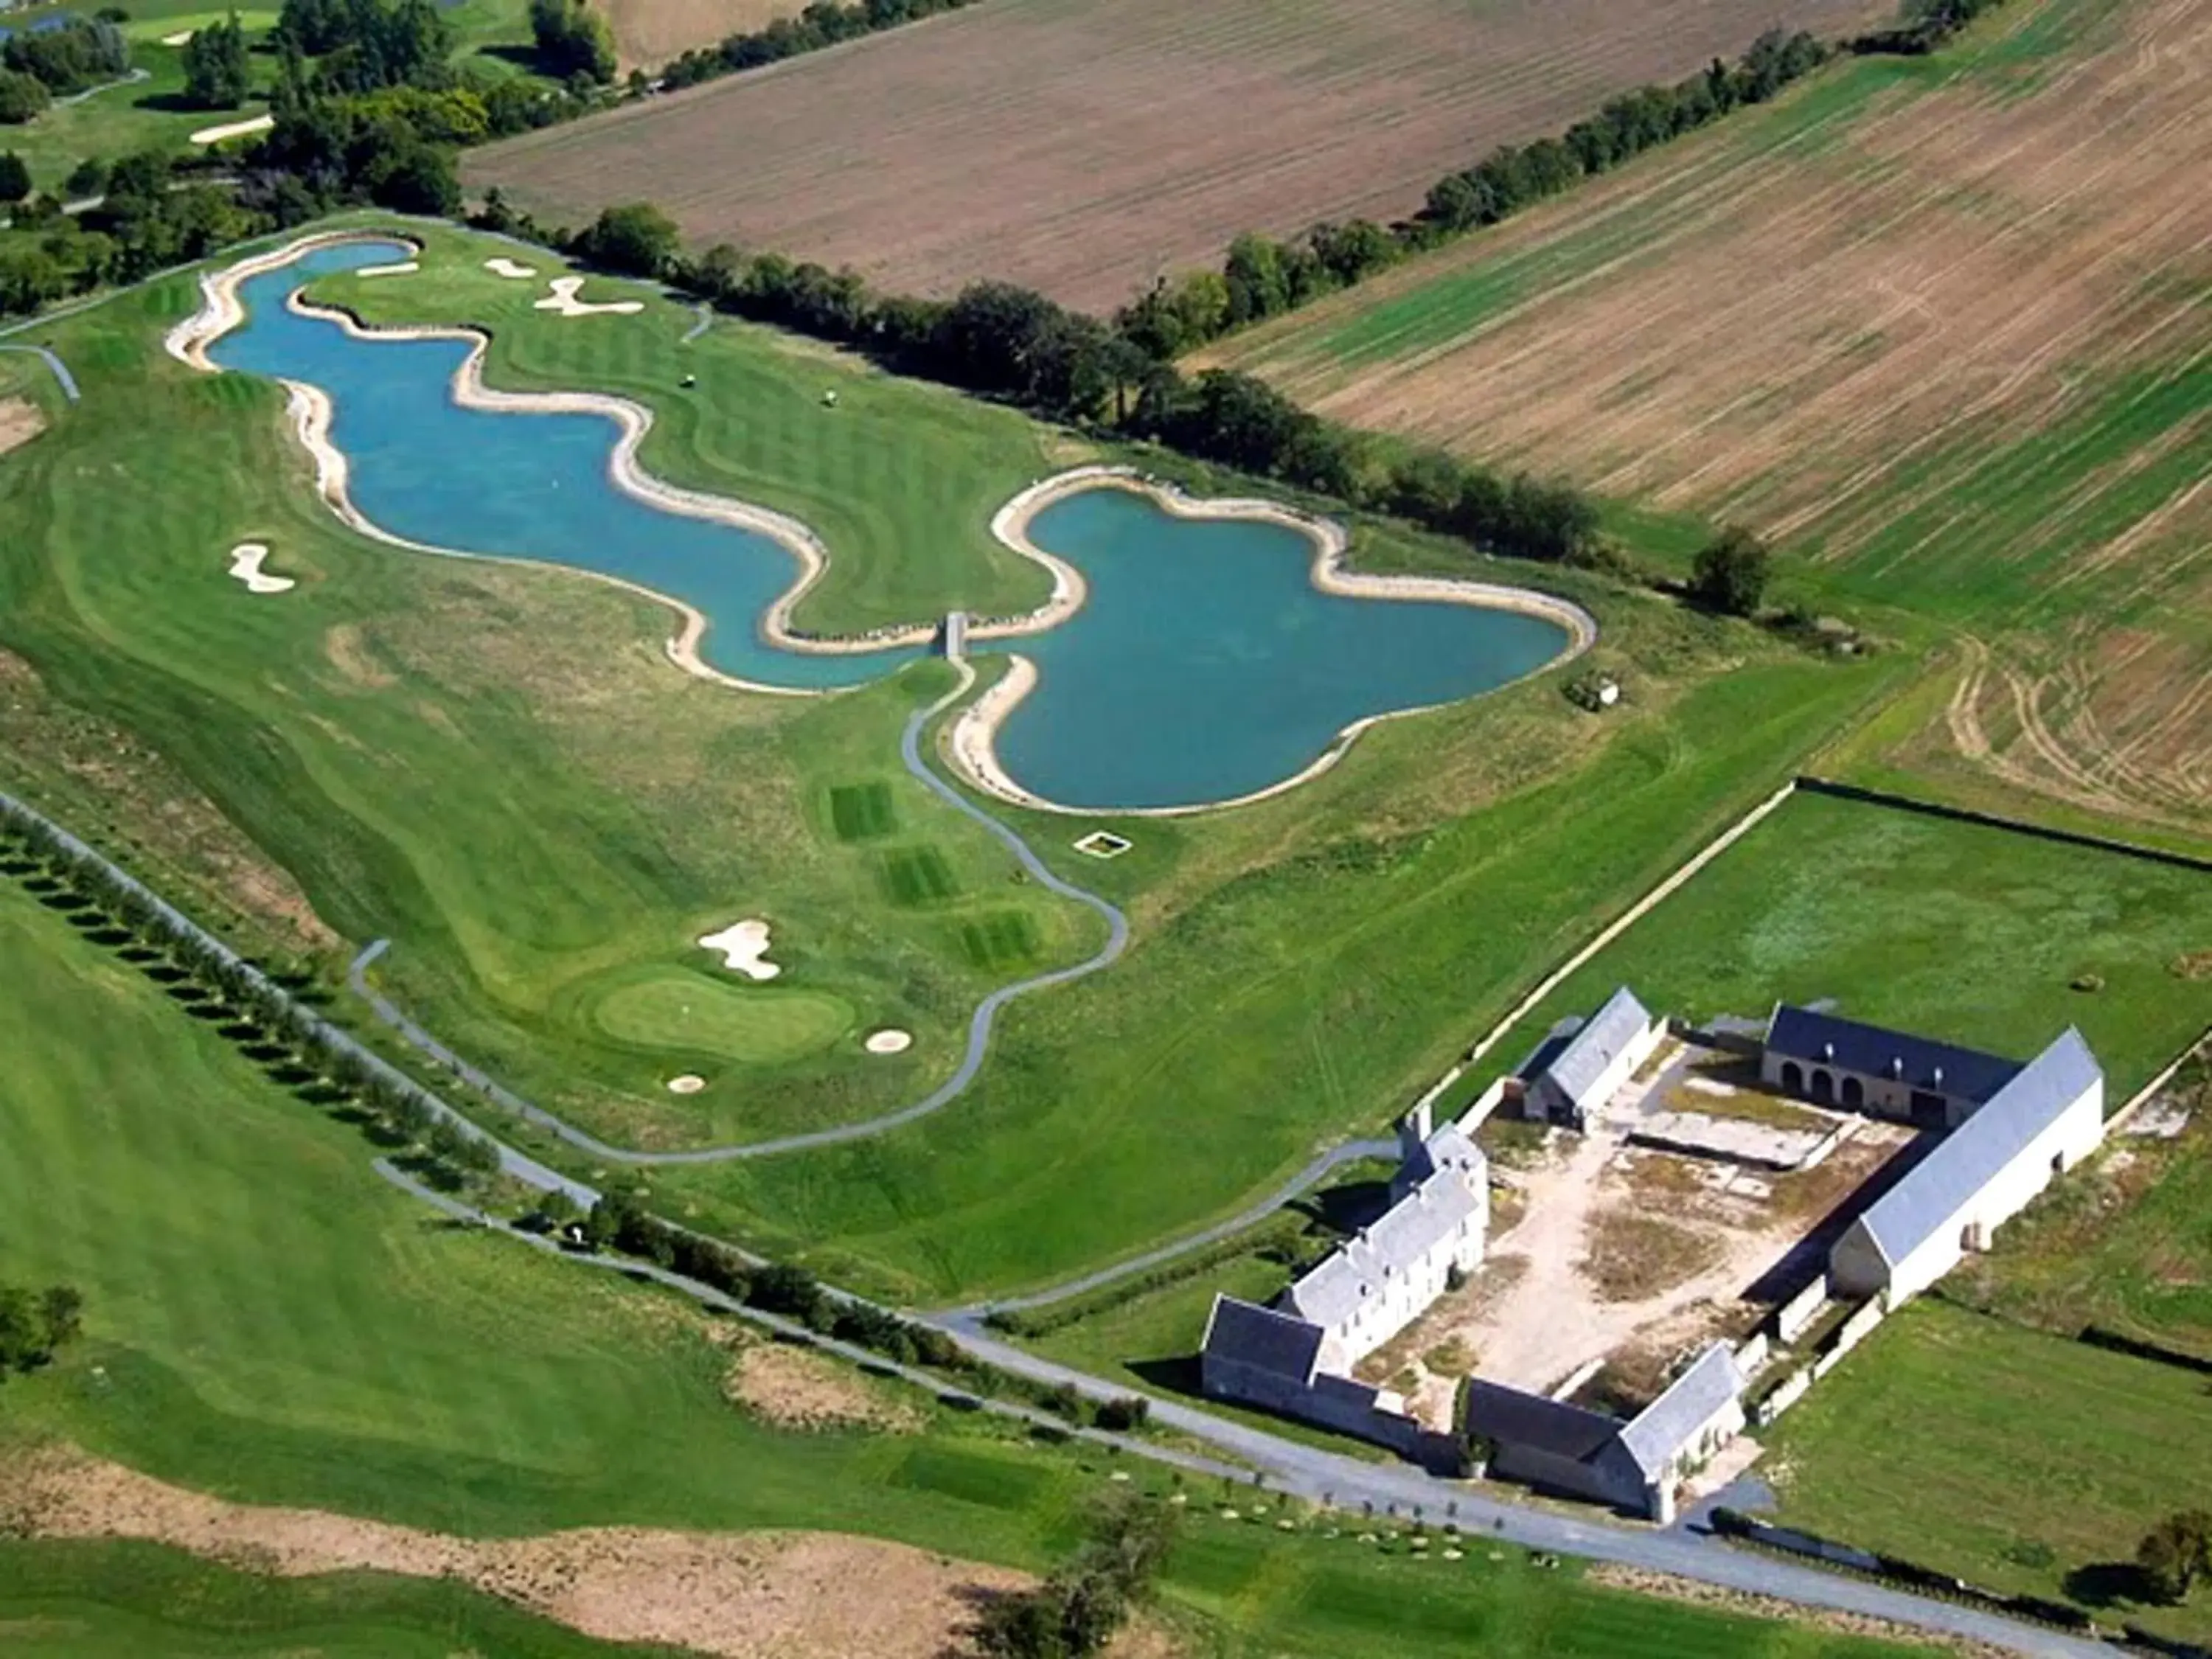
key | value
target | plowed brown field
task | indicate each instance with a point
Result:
(1083, 147)
(1944, 325)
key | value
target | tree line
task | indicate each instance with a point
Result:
(1262, 277)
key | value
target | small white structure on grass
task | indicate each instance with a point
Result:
(1576, 1069)
(2045, 1120)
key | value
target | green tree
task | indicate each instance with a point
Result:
(2176, 1552)
(1730, 573)
(14, 178)
(61, 1309)
(572, 40)
(22, 97)
(217, 75)
(638, 238)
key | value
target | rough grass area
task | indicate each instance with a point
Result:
(2125, 1243)
(1938, 324)
(1970, 934)
(1632, 1257)
(2019, 1460)
(1083, 149)
(268, 1322)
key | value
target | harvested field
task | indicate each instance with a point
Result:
(747, 1596)
(1942, 326)
(1083, 148)
(649, 32)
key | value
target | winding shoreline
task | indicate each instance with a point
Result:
(969, 743)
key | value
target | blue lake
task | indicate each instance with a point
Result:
(1205, 665)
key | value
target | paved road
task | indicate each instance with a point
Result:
(979, 1024)
(60, 368)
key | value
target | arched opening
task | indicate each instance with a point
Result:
(1793, 1077)
(1854, 1092)
(1824, 1086)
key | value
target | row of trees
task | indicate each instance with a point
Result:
(217, 74)
(1262, 277)
(824, 23)
(35, 1325)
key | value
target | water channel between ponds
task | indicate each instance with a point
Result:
(1204, 665)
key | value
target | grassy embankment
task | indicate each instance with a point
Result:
(494, 768)
(268, 1321)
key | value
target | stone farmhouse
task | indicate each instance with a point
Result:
(1295, 1357)
(1576, 1069)
(1634, 1465)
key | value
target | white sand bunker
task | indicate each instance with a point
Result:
(689, 1084)
(742, 945)
(405, 268)
(503, 266)
(234, 129)
(245, 563)
(182, 37)
(889, 1041)
(565, 301)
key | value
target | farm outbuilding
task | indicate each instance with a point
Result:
(2041, 1123)
(1576, 1069)
(1833, 1062)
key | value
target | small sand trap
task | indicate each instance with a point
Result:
(889, 1041)
(182, 37)
(564, 300)
(405, 268)
(741, 1595)
(20, 422)
(689, 1084)
(234, 129)
(742, 945)
(245, 562)
(503, 266)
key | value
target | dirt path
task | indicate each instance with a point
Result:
(744, 1596)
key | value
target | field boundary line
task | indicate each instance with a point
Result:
(1813, 785)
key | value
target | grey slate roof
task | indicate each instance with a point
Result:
(1553, 1045)
(1602, 1036)
(1453, 1190)
(1952, 1176)
(1802, 1034)
(1513, 1418)
(1657, 1433)
(1246, 1333)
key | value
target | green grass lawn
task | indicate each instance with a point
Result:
(267, 1320)
(2019, 1460)
(1969, 934)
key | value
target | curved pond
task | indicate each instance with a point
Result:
(1204, 666)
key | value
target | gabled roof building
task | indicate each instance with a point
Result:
(1833, 1062)
(1576, 1069)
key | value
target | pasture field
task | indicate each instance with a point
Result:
(495, 767)
(1971, 934)
(268, 1322)
(1085, 150)
(2019, 1460)
(1939, 325)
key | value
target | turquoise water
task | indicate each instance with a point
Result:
(1204, 666)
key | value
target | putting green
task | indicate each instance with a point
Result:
(673, 1009)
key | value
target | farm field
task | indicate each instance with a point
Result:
(649, 32)
(1970, 934)
(573, 813)
(1938, 325)
(268, 1322)
(497, 767)
(1085, 150)
(2019, 1460)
